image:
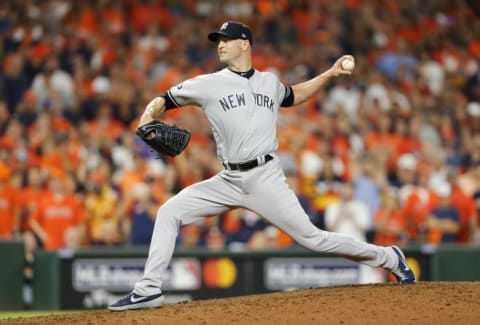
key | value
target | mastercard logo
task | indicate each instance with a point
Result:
(219, 273)
(415, 266)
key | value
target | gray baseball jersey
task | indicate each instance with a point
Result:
(242, 111)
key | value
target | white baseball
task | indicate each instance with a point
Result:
(348, 65)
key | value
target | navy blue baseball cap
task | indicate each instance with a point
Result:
(233, 30)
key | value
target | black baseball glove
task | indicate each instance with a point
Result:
(163, 138)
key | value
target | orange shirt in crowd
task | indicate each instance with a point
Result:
(8, 206)
(284, 240)
(31, 196)
(130, 178)
(466, 207)
(389, 142)
(54, 161)
(110, 130)
(408, 145)
(417, 207)
(386, 140)
(86, 21)
(395, 219)
(474, 48)
(154, 13)
(231, 222)
(55, 215)
(173, 76)
(114, 18)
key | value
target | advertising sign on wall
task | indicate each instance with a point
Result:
(120, 275)
(298, 273)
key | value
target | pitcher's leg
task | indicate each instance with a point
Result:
(193, 203)
(277, 203)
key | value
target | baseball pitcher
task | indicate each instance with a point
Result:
(241, 104)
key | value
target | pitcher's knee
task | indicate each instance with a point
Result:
(314, 240)
(168, 213)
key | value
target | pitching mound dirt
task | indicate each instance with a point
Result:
(423, 303)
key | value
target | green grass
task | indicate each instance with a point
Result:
(30, 313)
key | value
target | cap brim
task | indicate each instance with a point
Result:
(215, 35)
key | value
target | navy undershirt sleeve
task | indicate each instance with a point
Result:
(169, 103)
(289, 98)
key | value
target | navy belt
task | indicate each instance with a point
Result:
(247, 165)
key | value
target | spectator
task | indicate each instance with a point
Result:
(51, 81)
(4, 117)
(294, 183)
(406, 175)
(140, 211)
(15, 82)
(189, 237)
(344, 97)
(31, 194)
(58, 220)
(391, 222)
(348, 215)
(443, 221)
(249, 224)
(369, 177)
(351, 217)
(102, 217)
(26, 112)
(417, 204)
(128, 178)
(327, 172)
(468, 215)
(266, 239)
(9, 211)
(214, 239)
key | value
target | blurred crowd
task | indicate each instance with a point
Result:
(390, 154)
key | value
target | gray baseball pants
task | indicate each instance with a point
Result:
(263, 190)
